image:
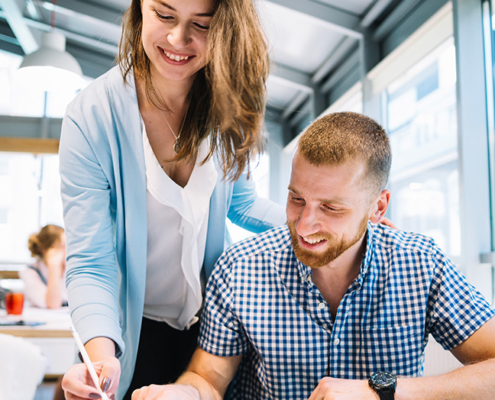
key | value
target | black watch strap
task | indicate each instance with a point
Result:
(385, 394)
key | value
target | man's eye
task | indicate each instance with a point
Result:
(332, 209)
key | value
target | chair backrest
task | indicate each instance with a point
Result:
(22, 367)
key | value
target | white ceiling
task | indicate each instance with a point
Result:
(307, 38)
(297, 40)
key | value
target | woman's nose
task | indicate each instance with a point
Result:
(179, 36)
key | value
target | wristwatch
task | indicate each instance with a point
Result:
(384, 384)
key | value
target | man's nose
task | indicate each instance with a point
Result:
(308, 222)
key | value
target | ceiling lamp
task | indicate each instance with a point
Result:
(51, 68)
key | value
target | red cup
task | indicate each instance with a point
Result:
(14, 303)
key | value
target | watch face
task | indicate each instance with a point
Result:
(383, 380)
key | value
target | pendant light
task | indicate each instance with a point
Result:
(51, 68)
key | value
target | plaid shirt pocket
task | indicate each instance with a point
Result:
(397, 349)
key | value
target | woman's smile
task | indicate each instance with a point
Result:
(175, 58)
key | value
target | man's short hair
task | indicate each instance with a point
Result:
(340, 137)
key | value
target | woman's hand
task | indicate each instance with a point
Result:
(55, 261)
(77, 383)
(387, 222)
(166, 392)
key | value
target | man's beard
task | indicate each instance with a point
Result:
(335, 246)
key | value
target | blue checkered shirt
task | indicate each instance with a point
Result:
(261, 302)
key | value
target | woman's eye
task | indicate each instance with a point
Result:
(161, 16)
(202, 27)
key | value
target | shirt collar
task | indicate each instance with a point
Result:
(368, 254)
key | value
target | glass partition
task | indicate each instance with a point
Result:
(30, 187)
(421, 120)
(489, 42)
(19, 100)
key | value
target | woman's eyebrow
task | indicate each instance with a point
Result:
(173, 9)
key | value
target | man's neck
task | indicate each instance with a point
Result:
(335, 278)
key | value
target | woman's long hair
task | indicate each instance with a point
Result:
(228, 95)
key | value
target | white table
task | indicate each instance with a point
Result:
(53, 337)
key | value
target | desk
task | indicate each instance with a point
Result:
(54, 337)
(8, 274)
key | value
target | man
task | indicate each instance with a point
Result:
(335, 305)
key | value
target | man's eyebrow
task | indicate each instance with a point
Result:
(173, 9)
(291, 188)
(334, 201)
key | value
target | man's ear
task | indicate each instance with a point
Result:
(379, 206)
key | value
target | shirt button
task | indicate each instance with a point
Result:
(321, 306)
(336, 341)
(308, 277)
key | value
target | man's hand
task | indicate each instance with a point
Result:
(343, 389)
(166, 392)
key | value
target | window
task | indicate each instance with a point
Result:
(489, 42)
(18, 100)
(422, 124)
(14, 98)
(30, 187)
(29, 184)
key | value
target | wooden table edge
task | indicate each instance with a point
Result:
(37, 333)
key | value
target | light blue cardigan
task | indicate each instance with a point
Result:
(104, 197)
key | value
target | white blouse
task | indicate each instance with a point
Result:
(177, 226)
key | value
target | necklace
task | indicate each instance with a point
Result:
(177, 144)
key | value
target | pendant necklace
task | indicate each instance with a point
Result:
(177, 144)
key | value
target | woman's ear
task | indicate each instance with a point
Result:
(380, 206)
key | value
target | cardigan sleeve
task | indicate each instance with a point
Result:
(91, 258)
(251, 212)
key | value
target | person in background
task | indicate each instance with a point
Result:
(45, 280)
(154, 156)
(335, 305)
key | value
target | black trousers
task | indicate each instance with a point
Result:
(163, 354)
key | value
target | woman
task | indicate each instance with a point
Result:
(152, 160)
(44, 280)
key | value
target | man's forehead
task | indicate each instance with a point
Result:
(335, 183)
(350, 168)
